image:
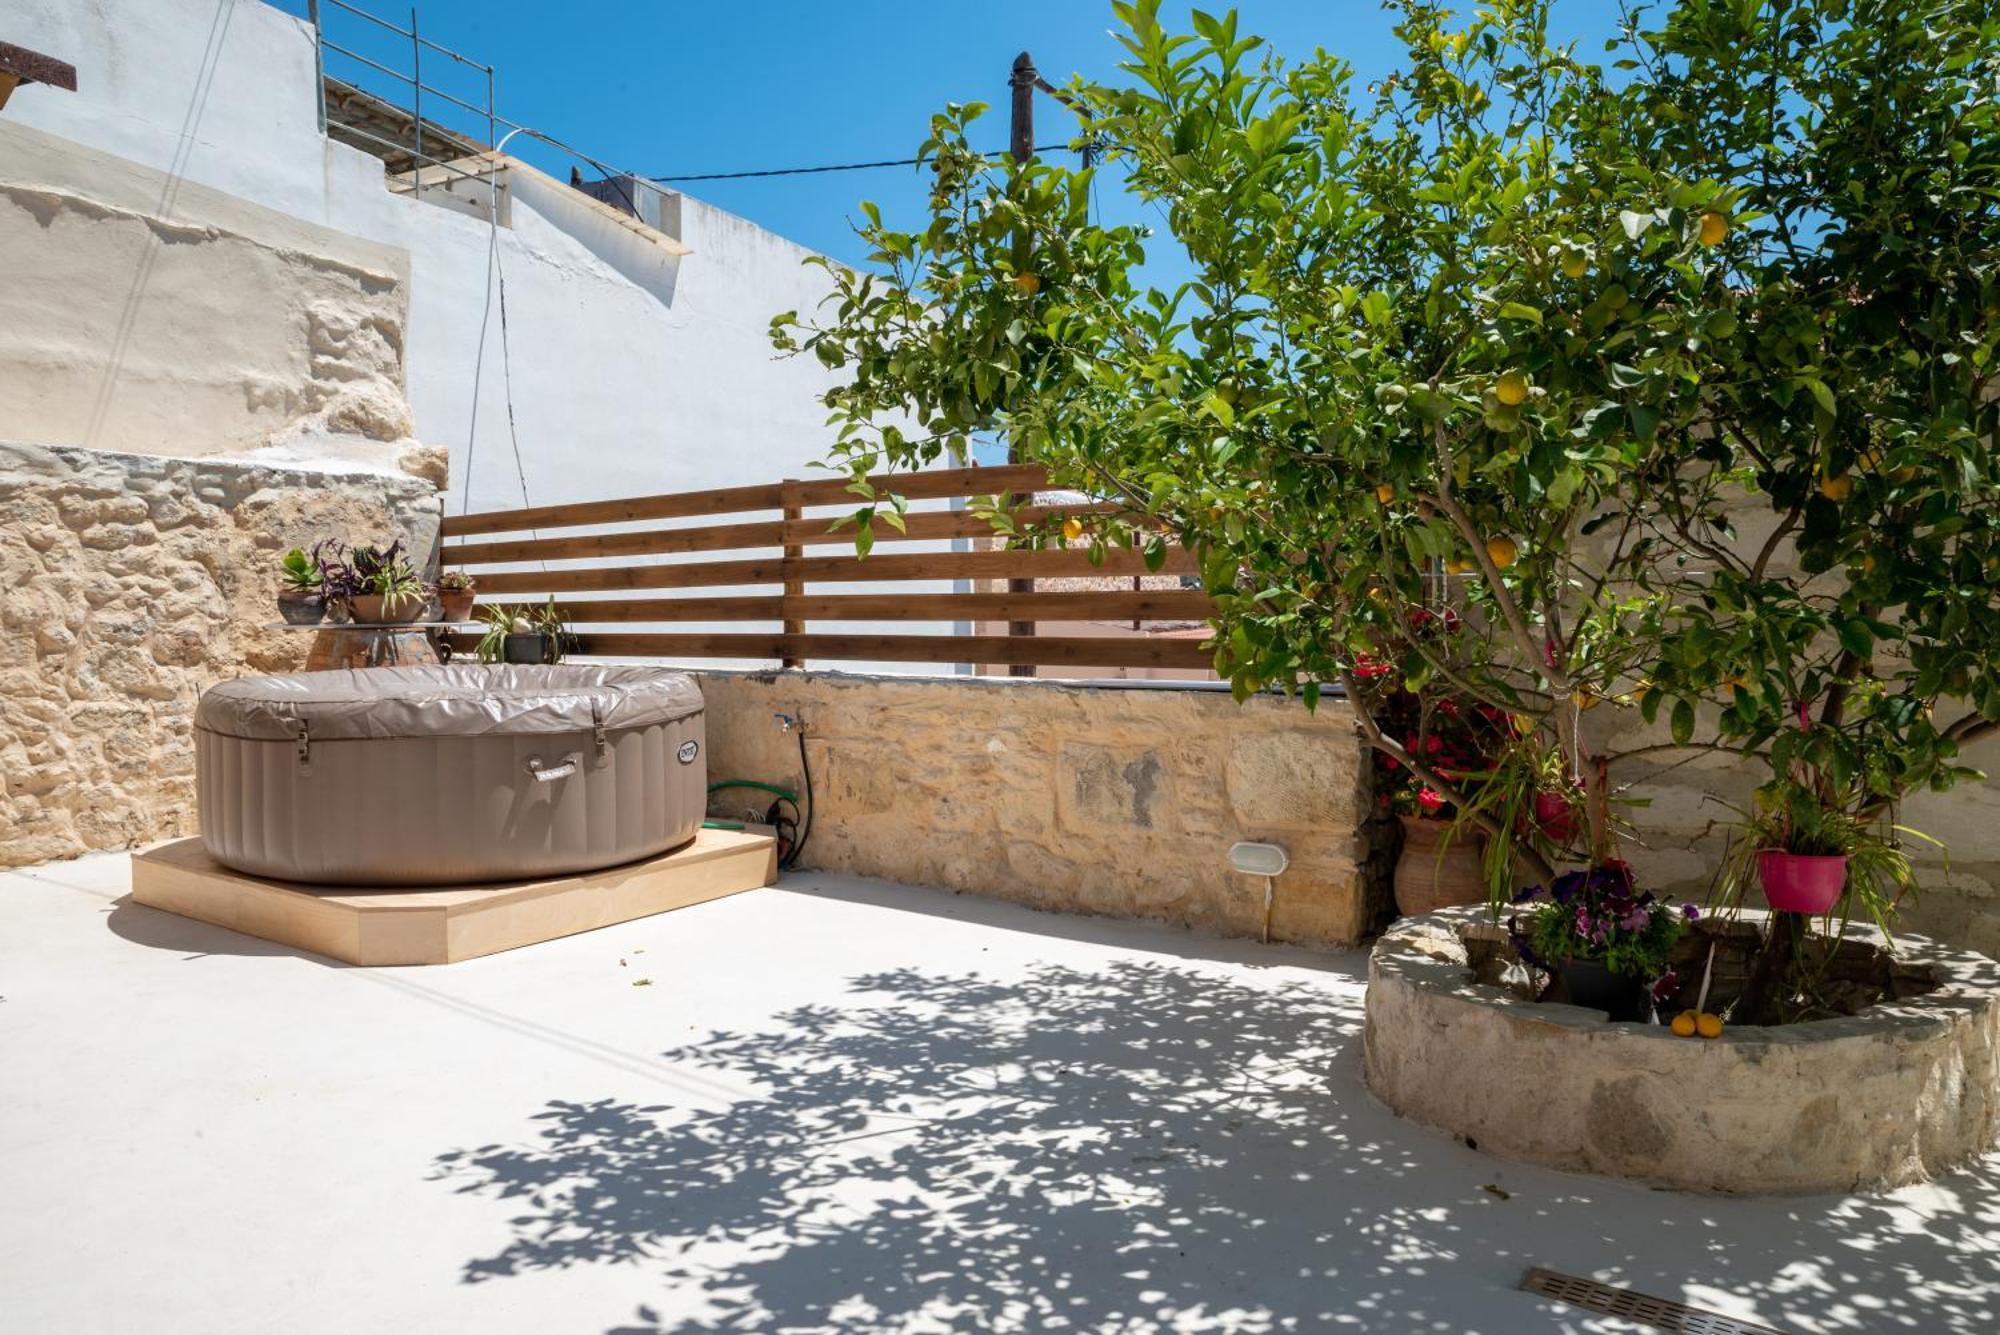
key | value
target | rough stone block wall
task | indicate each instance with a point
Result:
(127, 584)
(1084, 799)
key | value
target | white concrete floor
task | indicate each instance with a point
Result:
(836, 1104)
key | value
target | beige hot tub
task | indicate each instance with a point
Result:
(448, 775)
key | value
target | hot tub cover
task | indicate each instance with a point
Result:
(458, 700)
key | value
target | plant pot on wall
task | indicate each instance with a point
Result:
(1434, 874)
(532, 647)
(372, 609)
(301, 607)
(1799, 882)
(1592, 985)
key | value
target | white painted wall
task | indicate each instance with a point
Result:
(619, 388)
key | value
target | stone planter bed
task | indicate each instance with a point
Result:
(1903, 1089)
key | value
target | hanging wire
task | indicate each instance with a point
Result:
(837, 167)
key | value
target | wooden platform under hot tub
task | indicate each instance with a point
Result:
(443, 925)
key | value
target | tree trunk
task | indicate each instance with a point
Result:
(1764, 993)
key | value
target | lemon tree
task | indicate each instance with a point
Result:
(1580, 351)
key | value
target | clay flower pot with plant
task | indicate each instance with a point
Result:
(301, 598)
(1605, 942)
(390, 594)
(455, 591)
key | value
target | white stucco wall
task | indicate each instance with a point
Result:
(619, 387)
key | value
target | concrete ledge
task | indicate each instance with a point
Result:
(441, 926)
(1901, 1092)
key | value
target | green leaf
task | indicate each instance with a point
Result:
(1681, 723)
(1516, 310)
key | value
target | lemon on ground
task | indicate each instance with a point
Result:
(1683, 1024)
(1385, 493)
(1028, 283)
(1836, 488)
(1511, 389)
(1502, 552)
(1072, 528)
(1708, 1026)
(1714, 226)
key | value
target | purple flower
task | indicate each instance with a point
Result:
(1636, 918)
(1690, 912)
(1666, 984)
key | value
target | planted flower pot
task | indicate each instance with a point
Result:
(1590, 983)
(1801, 882)
(531, 647)
(455, 604)
(301, 607)
(1433, 874)
(372, 609)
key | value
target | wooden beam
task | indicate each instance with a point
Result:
(932, 484)
(1046, 564)
(1085, 605)
(1068, 651)
(927, 525)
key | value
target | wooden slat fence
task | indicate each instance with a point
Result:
(782, 577)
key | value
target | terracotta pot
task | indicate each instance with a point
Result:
(370, 609)
(301, 607)
(1800, 882)
(456, 604)
(1427, 879)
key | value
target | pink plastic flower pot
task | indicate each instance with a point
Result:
(1800, 883)
(1555, 817)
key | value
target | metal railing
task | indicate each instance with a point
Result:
(498, 129)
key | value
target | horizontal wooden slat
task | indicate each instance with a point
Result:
(1110, 605)
(1046, 564)
(929, 485)
(926, 526)
(1049, 651)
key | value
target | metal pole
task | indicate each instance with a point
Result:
(1021, 143)
(319, 62)
(417, 84)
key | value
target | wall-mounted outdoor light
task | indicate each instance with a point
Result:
(19, 65)
(1265, 860)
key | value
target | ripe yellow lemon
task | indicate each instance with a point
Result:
(1028, 283)
(1385, 493)
(1502, 552)
(1575, 263)
(1714, 226)
(1836, 488)
(1683, 1024)
(1458, 567)
(1511, 389)
(1072, 529)
(1708, 1026)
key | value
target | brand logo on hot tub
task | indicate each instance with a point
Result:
(689, 750)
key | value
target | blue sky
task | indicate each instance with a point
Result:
(661, 89)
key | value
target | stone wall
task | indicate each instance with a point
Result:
(127, 584)
(1104, 800)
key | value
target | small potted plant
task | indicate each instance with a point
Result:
(522, 634)
(1607, 941)
(301, 597)
(390, 594)
(1809, 854)
(455, 590)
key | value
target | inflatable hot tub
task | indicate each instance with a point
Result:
(448, 775)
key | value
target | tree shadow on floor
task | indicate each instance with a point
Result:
(1139, 1146)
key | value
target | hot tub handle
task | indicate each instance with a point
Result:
(567, 767)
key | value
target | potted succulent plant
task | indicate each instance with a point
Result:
(1607, 941)
(521, 634)
(301, 597)
(390, 594)
(455, 590)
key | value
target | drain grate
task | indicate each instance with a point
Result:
(1659, 1313)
